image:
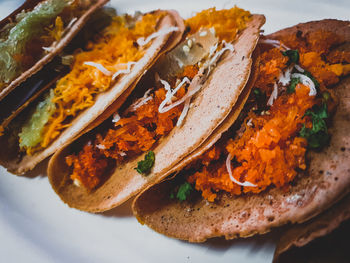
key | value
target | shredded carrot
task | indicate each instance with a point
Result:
(131, 135)
(227, 23)
(269, 151)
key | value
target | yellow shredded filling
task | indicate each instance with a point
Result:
(78, 89)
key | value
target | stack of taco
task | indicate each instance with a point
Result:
(106, 68)
(216, 129)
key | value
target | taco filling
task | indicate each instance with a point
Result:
(33, 33)
(286, 115)
(165, 104)
(105, 59)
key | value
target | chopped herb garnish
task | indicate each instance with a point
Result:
(144, 166)
(317, 136)
(326, 96)
(292, 85)
(183, 191)
(293, 56)
(260, 98)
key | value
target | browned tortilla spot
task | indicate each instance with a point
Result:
(327, 181)
(58, 48)
(300, 235)
(105, 103)
(227, 81)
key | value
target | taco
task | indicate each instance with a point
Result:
(284, 160)
(35, 33)
(106, 69)
(301, 235)
(158, 126)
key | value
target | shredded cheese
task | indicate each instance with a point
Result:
(229, 170)
(116, 118)
(274, 43)
(142, 101)
(124, 71)
(141, 41)
(99, 66)
(162, 107)
(298, 68)
(184, 112)
(217, 56)
(285, 77)
(305, 80)
(274, 95)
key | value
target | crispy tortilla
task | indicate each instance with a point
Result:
(227, 80)
(105, 102)
(327, 181)
(30, 4)
(301, 235)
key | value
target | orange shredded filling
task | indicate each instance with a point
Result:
(269, 152)
(227, 23)
(131, 135)
(78, 90)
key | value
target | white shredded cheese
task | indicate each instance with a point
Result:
(273, 42)
(70, 24)
(249, 123)
(298, 68)
(141, 41)
(101, 146)
(116, 118)
(47, 49)
(274, 95)
(162, 107)
(77, 182)
(227, 46)
(305, 80)
(122, 153)
(285, 77)
(212, 30)
(124, 71)
(184, 112)
(142, 101)
(229, 170)
(99, 67)
(203, 33)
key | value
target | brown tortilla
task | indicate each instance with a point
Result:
(327, 181)
(104, 102)
(227, 81)
(58, 48)
(301, 235)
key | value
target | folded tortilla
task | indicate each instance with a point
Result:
(227, 80)
(18, 162)
(326, 182)
(323, 224)
(69, 32)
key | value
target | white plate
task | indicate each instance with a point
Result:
(35, 226)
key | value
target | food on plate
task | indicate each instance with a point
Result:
(35, 33)
(302, 234)
(174, 108)
(285, 159)
(101, 76)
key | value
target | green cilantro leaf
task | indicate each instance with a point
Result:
(317, 136)
(260, 98)
(184, 191)
(293, 83)
(293, 56)
(144, 166)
